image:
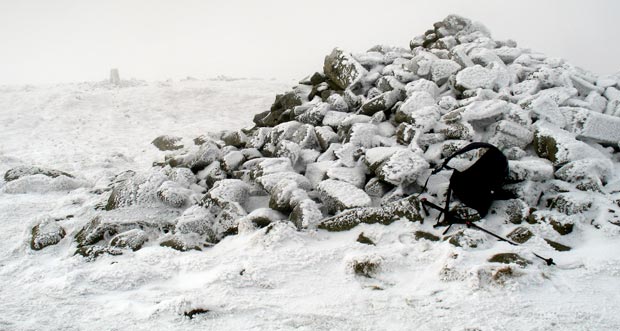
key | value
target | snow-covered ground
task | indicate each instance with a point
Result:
(280, 279)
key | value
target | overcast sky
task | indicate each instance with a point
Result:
(45, 41)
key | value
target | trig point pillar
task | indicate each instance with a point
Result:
(115, 78)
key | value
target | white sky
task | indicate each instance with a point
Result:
(45, 41)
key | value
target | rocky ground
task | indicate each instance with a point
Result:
(310, 216)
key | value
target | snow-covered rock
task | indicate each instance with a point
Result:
(338, 196)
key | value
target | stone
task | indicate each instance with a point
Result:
(93, 252)
(530, 169)
(571, 203)
(343, 69)
(23, 171)
(167, 143)
(408, 208)
(559, 146)
(354, 176)
(405, 133)
(381, 103)
(306, 214)
(235, 138)
(475, 77)
(337, 196)
(46, 233)
(173, 194)
(377, 188)
(402, 168)
(133, 239)
(557, 246)
(520, 235)
(509, 258)
(365, 266)
(425, 235)
(441, 70)
(231, 190)
(262, 217)
(181, 243)
(362, 239)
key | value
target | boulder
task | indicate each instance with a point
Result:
(133, 239)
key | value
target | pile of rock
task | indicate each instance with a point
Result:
(352, 143)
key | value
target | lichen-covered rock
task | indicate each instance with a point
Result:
(520, 235)
(508, 258)
(133, 239)
(167, 143)
(23, 171)
(343, 69)
(408, 208)
(46, 233)
(338, 196)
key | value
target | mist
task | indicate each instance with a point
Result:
(69, 41)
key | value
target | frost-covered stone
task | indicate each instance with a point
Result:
(285, 195)
(337, 103)
(411, 107)
(560, 146)
(355, 175)
(348, 154)
(484, 112)
(520, 235)
(361, 134)
(262, 217)
(232, 161)
(422, 85)
(376, 156)
(334, 118)
(377, 188)
(305, 137)
(206, 154)
(402, 168)
(338, 196)
(588, 174)
(509, 134)
(343, 69)
(268, 182)
(212, 174)
(441, 70)
(130, 188)
(271, 166)
(315, 114)
(23, 171)
(133, 239)
(593, 126)
(288, 149)
(306, 214)
(173, 194)
(530, 169)
(571, 203)
(475, 77)
(235, 138)
(382, 102)
(46, 233)
(233, 190)
(167, 143)
(405, 133)
(198, 220)
(408, 208)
